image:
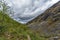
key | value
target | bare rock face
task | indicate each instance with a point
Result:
(48, 23)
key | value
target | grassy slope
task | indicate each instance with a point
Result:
(12, 30)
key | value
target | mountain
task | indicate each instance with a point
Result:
(44, 27)
(24, 11)
(12, 30)
(48, 23)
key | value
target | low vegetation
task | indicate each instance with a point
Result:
(12, 30)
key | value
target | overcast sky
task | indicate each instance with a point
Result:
(26, 10)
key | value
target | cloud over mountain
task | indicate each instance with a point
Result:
(26, 10)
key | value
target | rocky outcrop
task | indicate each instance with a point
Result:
(48, 23)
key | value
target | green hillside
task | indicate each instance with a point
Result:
(12, 30)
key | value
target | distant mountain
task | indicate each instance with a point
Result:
(48, 23)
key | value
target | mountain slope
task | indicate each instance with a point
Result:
(12, 30)
(48, 23)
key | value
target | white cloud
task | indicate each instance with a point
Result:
(26, 10)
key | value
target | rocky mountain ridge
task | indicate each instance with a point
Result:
(48, 23)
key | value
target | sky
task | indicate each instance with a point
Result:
(26, 10)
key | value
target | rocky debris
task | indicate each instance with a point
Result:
(55, 38)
